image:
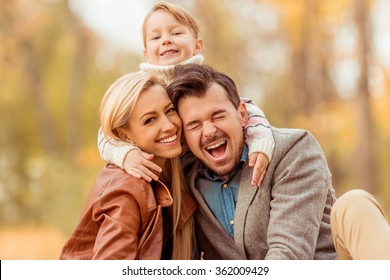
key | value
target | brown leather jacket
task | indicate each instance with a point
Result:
(122, 219)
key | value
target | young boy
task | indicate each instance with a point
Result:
(171, 37)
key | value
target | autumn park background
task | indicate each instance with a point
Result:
(318, 65)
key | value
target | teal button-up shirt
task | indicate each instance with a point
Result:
(220, 194)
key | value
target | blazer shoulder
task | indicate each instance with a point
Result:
(291, 135)
(289, 132)
(288, 140)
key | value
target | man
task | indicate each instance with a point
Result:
(287, 217)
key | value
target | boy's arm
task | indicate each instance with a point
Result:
(113, 151)
(259, 139)
(128, 157)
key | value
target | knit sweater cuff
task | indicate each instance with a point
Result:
(262, 145)
(119, 154)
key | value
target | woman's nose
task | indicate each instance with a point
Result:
(167, 124)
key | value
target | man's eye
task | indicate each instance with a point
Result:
(218, 117)
(193, 127)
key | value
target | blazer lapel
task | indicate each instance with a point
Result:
(246, 193)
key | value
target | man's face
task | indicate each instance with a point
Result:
(213, 129)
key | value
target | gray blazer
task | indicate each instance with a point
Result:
(287, 217)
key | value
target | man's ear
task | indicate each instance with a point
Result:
(199, 47)
(243, 114)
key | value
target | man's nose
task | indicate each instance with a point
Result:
(209, 130)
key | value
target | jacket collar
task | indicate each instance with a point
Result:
(162, 194)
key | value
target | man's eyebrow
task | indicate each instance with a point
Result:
(218, 112)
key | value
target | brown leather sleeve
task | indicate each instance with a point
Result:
(119, 216)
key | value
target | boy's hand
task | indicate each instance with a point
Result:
(138, 164)
(260, 163)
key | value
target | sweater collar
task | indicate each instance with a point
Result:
(165, 72)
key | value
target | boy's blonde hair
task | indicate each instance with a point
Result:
(179, 13)
(115, 109)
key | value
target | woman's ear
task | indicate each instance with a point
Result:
(122, 134)
(125, 135)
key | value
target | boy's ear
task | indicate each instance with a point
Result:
(146, 55)
(199, 47)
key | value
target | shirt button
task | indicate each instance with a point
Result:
(232, 222)
(225, 186)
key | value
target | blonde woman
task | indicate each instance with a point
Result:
(123, 215)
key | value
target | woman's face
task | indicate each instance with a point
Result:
(154, 126)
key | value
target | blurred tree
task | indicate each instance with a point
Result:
(78, 74)
(366, 151)
(20, 29)
(51, 87)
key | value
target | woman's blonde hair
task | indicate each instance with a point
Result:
(115, 110)
(179, 13)
(119, 101)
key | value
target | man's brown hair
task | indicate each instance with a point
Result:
(194, 80)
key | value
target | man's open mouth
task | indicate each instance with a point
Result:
(217, 149)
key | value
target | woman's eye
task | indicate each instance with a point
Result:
(171, 110)
(148, 121)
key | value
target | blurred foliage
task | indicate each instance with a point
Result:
(282, 54)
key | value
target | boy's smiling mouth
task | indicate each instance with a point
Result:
(168, 52)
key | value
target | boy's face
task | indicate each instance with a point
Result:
(168, 42)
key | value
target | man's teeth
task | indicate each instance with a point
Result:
(216, 145)
(169, 139)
